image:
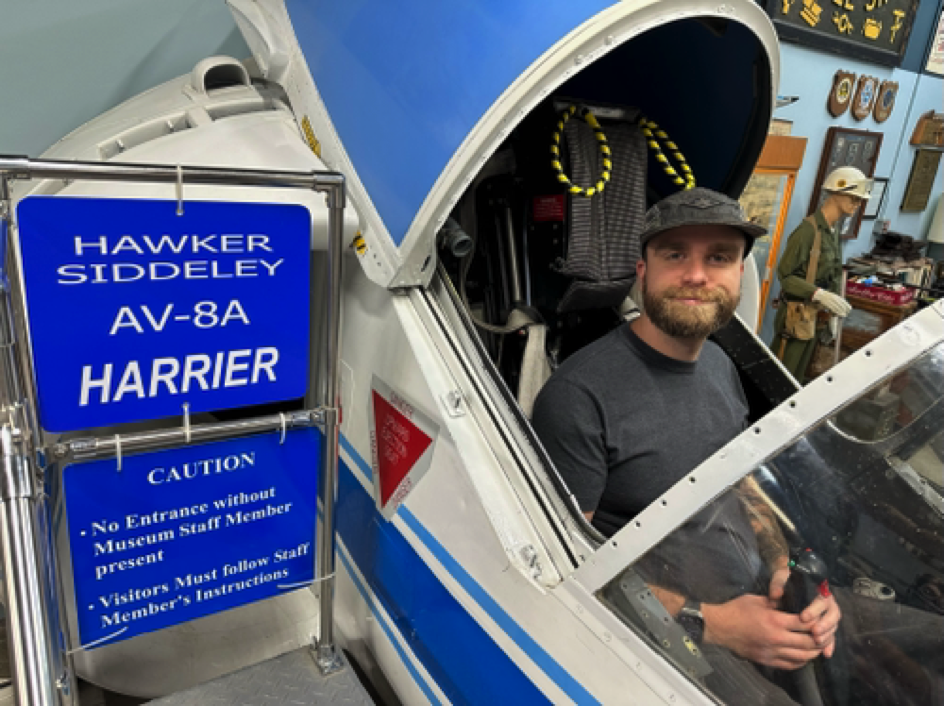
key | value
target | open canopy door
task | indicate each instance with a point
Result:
(409, 101)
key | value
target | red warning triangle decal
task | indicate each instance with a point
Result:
(400, 443)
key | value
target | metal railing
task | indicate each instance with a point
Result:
(42, 672)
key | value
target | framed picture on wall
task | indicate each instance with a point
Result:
(874, 30)
(874, 205)
(935, 63)
(846, 147)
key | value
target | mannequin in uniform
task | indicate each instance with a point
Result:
(848, 188)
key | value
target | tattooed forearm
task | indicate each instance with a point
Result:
(773, 546)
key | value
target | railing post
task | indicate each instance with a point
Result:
(40, 674)
(326, 653)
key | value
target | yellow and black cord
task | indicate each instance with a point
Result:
(605, 154)
(653, 134)
(681, 175)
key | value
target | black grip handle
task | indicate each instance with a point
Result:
(808, 577)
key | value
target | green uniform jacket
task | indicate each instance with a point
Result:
(791, 271)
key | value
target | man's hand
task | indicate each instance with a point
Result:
(823, 613)
(822, 619)
(753, 628)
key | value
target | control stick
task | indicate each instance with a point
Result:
(808, 577)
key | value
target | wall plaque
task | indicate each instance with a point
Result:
(921, 180)
(864, 97)
(841, 93)
(885, 101)
(873, 30)
(929, 130)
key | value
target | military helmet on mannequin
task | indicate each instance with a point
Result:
(848, 180)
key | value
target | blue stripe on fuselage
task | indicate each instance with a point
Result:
(453, 644)
(456, 651)
(404, 657)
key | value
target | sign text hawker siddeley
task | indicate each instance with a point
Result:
(135, 310)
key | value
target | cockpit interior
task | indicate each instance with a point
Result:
(541, 248)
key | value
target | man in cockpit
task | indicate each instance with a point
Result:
(628, 416)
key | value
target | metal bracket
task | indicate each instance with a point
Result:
(327, 658)
(634, 601)
(16, 479)
(531, 559)
(328, 415)
(317, 417)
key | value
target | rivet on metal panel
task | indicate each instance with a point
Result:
(454, 403)
(578, 59)
(609, 40)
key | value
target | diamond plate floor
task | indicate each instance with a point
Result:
(290, 680)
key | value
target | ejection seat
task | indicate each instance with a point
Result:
(601, 239)
(604, 227)
(596, 256)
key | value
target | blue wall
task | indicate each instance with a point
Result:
(808, 73)
(66, 61)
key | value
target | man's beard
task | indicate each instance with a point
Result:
(685, 320)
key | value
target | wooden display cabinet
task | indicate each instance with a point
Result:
(868, 320)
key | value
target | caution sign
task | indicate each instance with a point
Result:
(179, 534)
(401, 445)
(135, 308)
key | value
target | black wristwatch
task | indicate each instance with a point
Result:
(692, 620)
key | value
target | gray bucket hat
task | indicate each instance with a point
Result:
(697, 207)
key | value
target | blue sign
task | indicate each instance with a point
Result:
(176, 535)
(135, 310)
